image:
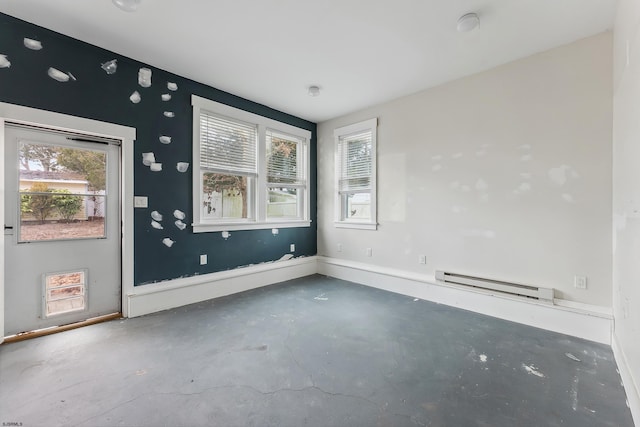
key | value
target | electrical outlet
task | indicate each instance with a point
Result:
(422, 259)
(580, 282)
(369, 252)
(339, 247)
(203, 259)
(292, 248)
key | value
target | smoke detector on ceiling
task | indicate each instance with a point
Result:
(468, 22)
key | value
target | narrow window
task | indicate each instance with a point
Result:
(356, 175)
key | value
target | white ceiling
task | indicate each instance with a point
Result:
(360, 52)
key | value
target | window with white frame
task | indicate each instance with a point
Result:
(286, 184)
(250, 172)
(356, 175)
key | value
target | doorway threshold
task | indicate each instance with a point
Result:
(55, 329)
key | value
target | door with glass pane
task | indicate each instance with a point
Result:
(62, 231)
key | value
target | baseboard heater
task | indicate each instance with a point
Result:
(541, 294)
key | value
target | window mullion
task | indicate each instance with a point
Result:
(261, 186)
(304, 200)
(195, 168)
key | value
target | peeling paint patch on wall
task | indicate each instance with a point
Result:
(156, 215)
(144, 77)
(148, 158)
(32, 44)
(60, 76)
(561, 174)
(524, 187)
(110, 67)
(135, 97)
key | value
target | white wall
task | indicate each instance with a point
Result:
(626, 195)
(504, 174)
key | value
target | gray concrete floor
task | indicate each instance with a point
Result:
(311, 352)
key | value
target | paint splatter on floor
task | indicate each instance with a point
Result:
(321, 297)
(572, 357)
(574, 393)
(532, 370)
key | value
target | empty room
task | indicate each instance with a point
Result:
(329, 213)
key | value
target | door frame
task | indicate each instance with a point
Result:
(57, 121)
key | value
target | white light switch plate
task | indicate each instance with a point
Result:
(140, 201)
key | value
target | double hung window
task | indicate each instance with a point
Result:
(356, 175)
(250, 172)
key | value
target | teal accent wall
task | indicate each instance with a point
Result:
(97, 95)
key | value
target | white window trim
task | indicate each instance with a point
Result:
(259, 220)
(367, 125)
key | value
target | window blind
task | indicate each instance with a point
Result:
(354, 162)
(227, 145)
(283, 153)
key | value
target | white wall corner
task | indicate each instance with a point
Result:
(630, 387)
(151, 298)
(588, 322)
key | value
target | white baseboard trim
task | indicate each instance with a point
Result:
(630, 387)
(146, 299)
(580, 320)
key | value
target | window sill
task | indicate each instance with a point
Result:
(357, 225)
(238, 226)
